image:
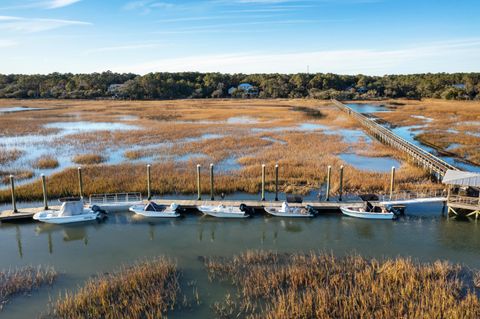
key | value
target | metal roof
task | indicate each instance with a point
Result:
(462, 178)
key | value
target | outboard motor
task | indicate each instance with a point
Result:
(102, 214)
(244, 208)
(311, 210)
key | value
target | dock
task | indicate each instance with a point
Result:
(26, 214)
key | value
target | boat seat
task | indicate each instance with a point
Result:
(154, 207)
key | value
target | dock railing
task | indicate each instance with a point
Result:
(406, 195)
(464, 200)
(115, 198)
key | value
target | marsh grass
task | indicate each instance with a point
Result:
(23, 280)
(271, 285)
(451, 122)
(148, 289)
(8, 156)
(46, 162)
(19, 175)
(303, 156)
(88, 159)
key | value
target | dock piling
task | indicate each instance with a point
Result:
(44, 189)
(392, 182)
(80, 182)
(329, 175)
(14, 199)
(341, 184)
(149, 182)
(276, 182)
(199, 190)
(263, 182)
(211, 183)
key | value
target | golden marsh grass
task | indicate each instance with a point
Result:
(247, 132)
(88, 159)
(23, 280)
(276, 286)
(148, 289)
(46, 162)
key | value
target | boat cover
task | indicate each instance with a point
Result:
(154, 207)
(461, 178)
(71, 208)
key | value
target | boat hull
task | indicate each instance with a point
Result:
(367, 215)
(139, 210)
(51, 217)
(232, 213)
(279, 213)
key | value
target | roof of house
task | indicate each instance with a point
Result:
(461, 178)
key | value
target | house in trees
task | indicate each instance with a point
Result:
(243, 90)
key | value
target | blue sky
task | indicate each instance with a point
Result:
(251, 36)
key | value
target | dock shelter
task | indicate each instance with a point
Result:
(467, 204)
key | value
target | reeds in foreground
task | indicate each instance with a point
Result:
(270, 285)
(145, 290)
(23, 280)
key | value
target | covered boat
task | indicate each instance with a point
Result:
(223, 211)
(287, 211)
(153, 209)
(368, 211)
(71, 211)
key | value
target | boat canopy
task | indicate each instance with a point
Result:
(71, 208)
(461, 178)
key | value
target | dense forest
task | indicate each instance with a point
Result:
(216, 85)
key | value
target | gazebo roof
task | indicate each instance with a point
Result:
(462, 178)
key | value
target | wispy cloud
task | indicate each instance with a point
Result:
(31, 25)
(413, 59)
(146, 6)
(129, 47)
(5, 43)
(54, 4)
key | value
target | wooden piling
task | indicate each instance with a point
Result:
(44, 189)
(14, 199)
(329, 175)
(276, 182)
(149, 182)
(263, 182)
(80, 182)
(392, 182)
(212, 197)
(341, 184)
(199, 190)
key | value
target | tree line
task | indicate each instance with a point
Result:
(216, 85)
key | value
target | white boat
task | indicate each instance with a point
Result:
(152, 209)
(375, 213)
(71, 211)
(287, 211)
(223, 211)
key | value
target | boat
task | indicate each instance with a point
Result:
(155, 210)
(71, 211)
(223, 211)
(287, 211)
(370, 212)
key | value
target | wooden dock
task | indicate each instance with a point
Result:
(464, 206)
(25, 214)
(419, 156)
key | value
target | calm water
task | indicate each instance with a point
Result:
(81, 251)
(378, 164)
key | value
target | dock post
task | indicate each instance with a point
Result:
(263, 182)
(14, 199)
(276, 182)
(199, 190)
(149, 182)
(80, 182)
(341, 184)
(211, 182)
(329, 175)
(44, 189)
(392, 182)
